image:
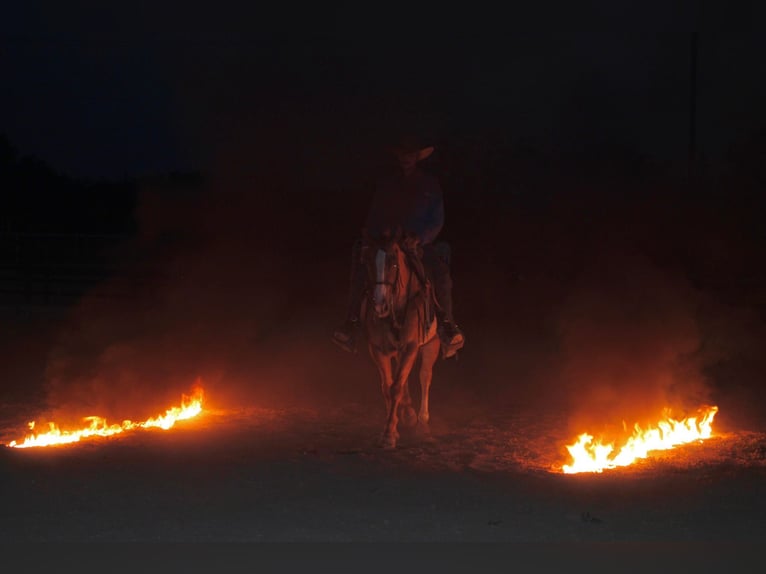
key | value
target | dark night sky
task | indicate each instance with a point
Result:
(123, 88)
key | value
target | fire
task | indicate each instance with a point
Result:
(590, 456)
(190, 407)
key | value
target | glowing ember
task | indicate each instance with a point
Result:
(190, 407)
(589, 456)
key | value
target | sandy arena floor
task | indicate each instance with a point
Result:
(256, 474)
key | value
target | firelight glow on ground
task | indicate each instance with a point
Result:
(594, 456)
(190, 407)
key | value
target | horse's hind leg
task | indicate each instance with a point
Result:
(429, 354)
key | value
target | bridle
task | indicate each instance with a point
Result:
(393, 285)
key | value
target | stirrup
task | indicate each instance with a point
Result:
(347, 345)
(449, 351)
(455, 334)
(450, 347)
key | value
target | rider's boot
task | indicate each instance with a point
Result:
(452, 338)
(345, 335)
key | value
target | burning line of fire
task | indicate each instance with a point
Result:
(590, 456)
(190, 407)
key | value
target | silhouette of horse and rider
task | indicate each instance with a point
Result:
(401, 289)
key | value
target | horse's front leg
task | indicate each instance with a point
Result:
(406, 361)
(407, 415)
(383, 362)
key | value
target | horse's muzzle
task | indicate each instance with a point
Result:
(381, 301)
(382, 310)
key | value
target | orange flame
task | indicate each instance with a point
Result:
(190, 407)
(589, 456)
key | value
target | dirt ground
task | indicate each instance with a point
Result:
(258, 474)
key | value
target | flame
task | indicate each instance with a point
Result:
(590, 456)
(190, 407)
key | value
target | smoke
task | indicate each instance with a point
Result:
(211, 287)
(630, 343)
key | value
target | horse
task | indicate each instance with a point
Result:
(400, 326)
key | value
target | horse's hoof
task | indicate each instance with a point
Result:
(388, 444)
(409, 418)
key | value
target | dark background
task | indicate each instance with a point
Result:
(182, 185)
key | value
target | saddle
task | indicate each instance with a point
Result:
(427, 318)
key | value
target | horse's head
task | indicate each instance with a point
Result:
(386, 270)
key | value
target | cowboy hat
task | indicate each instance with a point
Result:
(411, 144)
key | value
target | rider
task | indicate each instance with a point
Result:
(413, 201)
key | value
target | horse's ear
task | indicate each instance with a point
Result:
(398, 234)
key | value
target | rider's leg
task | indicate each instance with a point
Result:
(345, 335)
(450, 334)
